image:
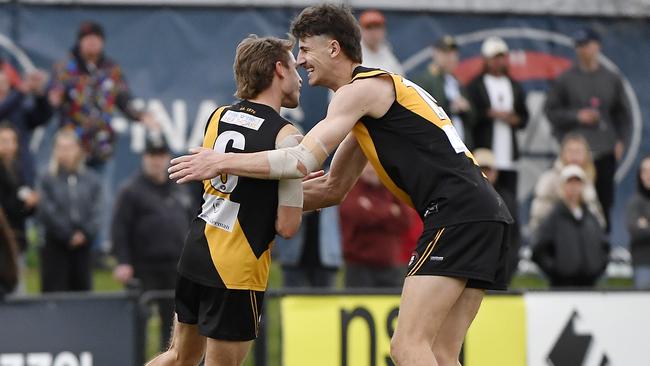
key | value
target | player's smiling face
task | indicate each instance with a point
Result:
(291, 84)
(314, 56)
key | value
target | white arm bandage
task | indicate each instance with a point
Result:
(284, 163)
(290, 190)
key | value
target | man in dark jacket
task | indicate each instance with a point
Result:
(150, 221)
(571, 247)
(500, 106)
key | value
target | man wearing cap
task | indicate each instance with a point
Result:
(375, 49)
(438, 79)
(150, 221)
(570, 246)
(500, 106)
(590, 100)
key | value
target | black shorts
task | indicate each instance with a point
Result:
(476, 251)
(220, 313)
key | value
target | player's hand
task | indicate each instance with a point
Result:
(313, 175)
(123, 273)
(201, 164)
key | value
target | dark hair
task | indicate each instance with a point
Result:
(332, 20)
(255, 63)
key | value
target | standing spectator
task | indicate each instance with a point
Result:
(570, 246)
(485, 159)
(8, 257)
(373, 222)
(150, 221)
(70, 209)
(439, 80)
(590, 100)
(500, 106)
(25, 108)
(16, 198)
(375, 49)
(638, 225)
(574, 150)
(313, 256)
(88, 89)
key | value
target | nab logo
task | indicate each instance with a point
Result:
(571, 348)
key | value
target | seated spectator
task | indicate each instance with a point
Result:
(574, 150)
(570, 245)
(71, 204)
(150, 221)
(485, 160)
(8, 257)
(16, 197)
(25, 108)
(638, 225)
(373, 222)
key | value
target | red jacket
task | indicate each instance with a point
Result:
(373, 222)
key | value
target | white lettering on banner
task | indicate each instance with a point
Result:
(242, 119)
(175, 129)
(219, 212)
(46, 359)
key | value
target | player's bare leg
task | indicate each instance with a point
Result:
(426, 301)
(186, 348)
(226, 353)
(449, 341)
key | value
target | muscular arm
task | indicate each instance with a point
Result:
(330, 189)
(371, 97)
(289, 190)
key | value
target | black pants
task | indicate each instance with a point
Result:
(64, 268)
(605, 170)
(160, 276)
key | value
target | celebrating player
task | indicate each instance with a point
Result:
(392, 122)
(224, 268)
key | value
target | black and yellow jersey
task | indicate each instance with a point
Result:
(229, 242)
(419, 156)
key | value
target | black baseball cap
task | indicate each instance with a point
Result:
(446, 43)
(156, 144)
(585, 35)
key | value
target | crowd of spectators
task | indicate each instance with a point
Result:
(371, 234)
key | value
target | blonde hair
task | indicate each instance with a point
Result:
(255, 63)
(53, 167)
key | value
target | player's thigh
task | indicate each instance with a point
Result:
(186, 348)
(226, 353)
(454, 328)
(424, 305)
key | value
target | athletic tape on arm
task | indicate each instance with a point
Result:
(290, 190)
(283, 163)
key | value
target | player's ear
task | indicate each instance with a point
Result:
(334, 48)
(280, 70)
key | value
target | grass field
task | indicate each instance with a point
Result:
(104, 282)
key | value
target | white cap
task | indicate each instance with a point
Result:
(493, 46)
(573, 171)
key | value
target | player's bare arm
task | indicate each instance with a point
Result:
(290, 196)
(331, 189)
(372, 97)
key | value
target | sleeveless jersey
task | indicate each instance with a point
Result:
(420, 158)
(229, 242)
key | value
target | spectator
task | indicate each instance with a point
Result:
(439, 80)
(485, 159)
(25, 108)
(373, 222)
(574, 150)
(150, 221)
(638, 225)
(500, 107)
(312, 257)
(70, 212)
(375, 50)
(570, 246)
(17, 198)
(8, 258)
(590, 100)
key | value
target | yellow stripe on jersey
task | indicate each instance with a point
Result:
(234, 259)
(210, 138)
(426, 253)
(368, 74)
(368, 147)
(409, 98)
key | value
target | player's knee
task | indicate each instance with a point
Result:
(183, 357)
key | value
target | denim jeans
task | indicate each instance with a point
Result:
(642, 277)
